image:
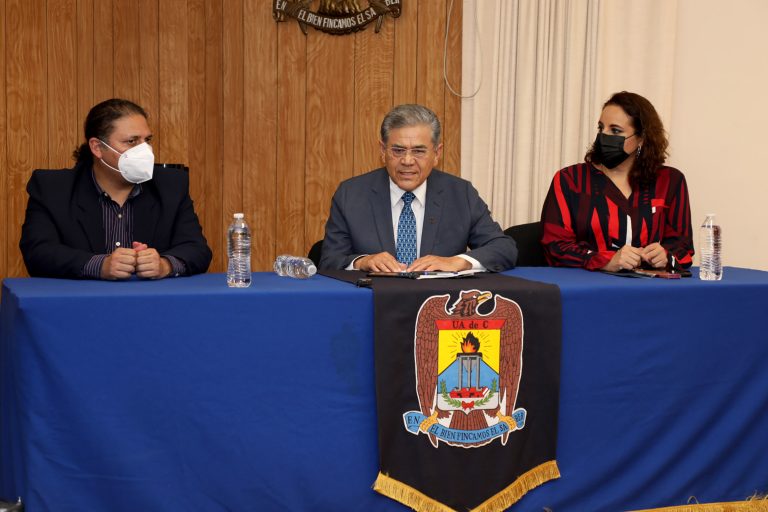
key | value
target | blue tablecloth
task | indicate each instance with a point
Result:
(183, 394)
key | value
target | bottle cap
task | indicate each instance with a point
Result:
(311, 270)
(239, 215)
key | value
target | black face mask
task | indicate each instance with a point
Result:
(611, 149)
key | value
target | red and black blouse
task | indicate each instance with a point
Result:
(586, 218)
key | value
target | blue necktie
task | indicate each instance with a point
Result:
(406, 231)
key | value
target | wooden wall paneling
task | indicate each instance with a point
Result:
(85, 70)
(430, 90)
(232, 175)
(374, 59)
(260, 130)
(196, 101)
(149, 65)
(5, 245)
(305, 117)
(330, 118)
(452, 116)
(62, 82)
(103, 53)
(27, 117)
(209, 200)
(174, 98)
(291, 139)
(127, 49)
(406, 49)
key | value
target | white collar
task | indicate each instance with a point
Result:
(396, 193)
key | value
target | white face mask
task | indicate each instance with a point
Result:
(136, 164)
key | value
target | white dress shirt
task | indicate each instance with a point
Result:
(418, 205)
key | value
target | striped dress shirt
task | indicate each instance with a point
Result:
(118, 231)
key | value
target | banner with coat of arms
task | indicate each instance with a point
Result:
(467, 376)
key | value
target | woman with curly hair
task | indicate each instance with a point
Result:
(622, 208)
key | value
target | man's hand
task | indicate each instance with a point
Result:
(446, 264)
(626, 258)
(149, 263)
(655, 255)
(119, 265)
(381, 262)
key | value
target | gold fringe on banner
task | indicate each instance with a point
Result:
(420, 502)
(407, 495)
(753, 504)
(527, 481)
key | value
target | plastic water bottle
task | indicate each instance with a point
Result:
(710, 250)
(239, 253)
(294, 266)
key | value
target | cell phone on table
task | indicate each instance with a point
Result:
(664, 274)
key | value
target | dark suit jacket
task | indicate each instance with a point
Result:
(63, 227)
(455, 218)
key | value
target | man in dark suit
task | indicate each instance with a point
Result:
(114, 214)
(372, 216)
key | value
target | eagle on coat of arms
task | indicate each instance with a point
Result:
(468, 370)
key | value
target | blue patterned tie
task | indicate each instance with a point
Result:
(406, 231)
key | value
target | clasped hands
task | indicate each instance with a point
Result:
(629, 257)
(385, 262)
(141, 260)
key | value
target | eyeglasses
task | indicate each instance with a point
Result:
(400, 152)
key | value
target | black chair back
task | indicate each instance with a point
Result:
(529, 250)
(173, 166)
(316, 252)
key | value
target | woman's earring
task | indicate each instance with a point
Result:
(638, 150)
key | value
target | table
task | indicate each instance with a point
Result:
(663, 391)
(183, 394)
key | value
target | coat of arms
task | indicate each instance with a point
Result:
(468, 369)
(336, 16)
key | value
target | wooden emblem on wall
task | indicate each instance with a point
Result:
(336, 16)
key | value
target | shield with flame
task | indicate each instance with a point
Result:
(468, 377)
(468, 369)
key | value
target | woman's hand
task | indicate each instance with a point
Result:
(626, 258)
(655, 255)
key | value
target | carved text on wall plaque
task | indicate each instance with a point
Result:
(336, 16)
